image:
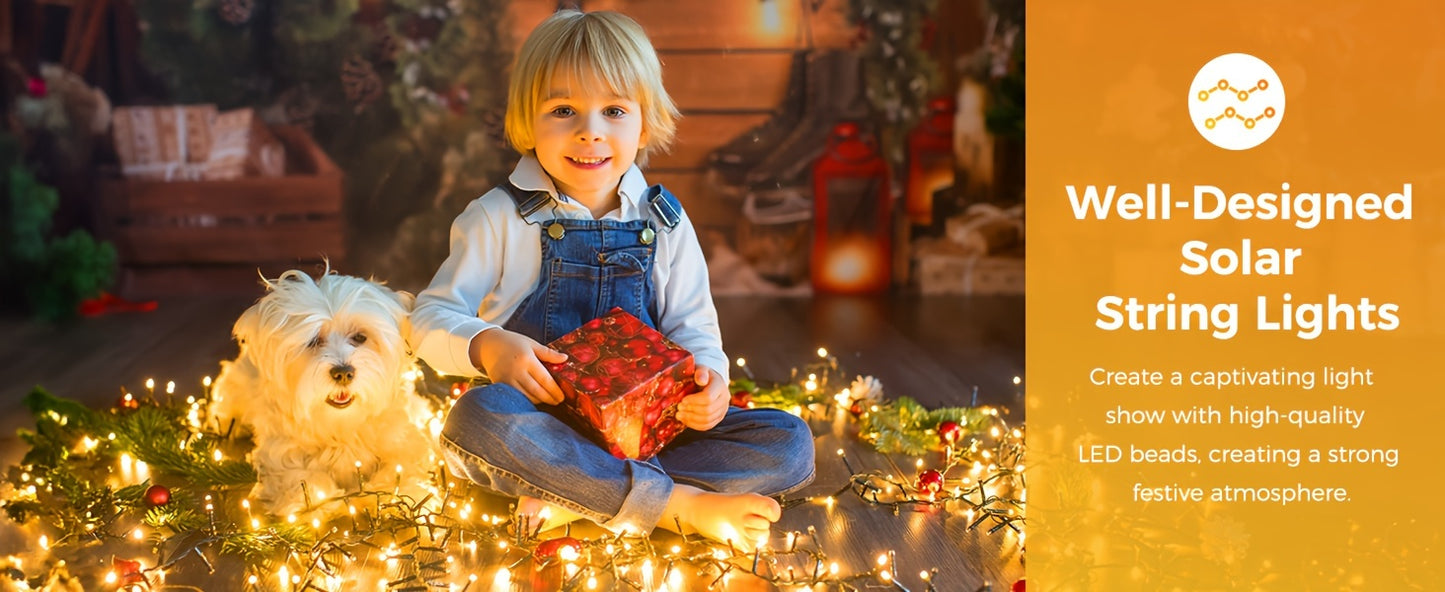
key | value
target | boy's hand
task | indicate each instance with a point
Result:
(515, 359)
(701, 411)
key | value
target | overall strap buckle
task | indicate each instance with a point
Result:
(663, 206)
(528, 202)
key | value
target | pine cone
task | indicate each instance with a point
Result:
(361, 82)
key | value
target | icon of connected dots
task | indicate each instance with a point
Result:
(1218, 95)
(1231, 112)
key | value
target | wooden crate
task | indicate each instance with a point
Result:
(184, 237)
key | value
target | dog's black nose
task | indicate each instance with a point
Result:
(343, 374)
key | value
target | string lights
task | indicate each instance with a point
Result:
(87, 478)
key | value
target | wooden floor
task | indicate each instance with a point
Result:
(934, 349)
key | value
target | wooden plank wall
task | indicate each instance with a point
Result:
(726, 64)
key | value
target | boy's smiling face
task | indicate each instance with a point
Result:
(587, 139)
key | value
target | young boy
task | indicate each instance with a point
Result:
(574, 232)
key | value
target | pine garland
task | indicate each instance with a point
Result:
(907, 427)
(149, 433)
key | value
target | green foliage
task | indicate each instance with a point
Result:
(51, 275)
(900, 74)
(905, 426)
(260, 545)
(150, 434)
(1005, 114)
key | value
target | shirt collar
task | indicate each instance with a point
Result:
(530, 176)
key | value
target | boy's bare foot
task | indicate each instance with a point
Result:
(742, 518)
(545, 514)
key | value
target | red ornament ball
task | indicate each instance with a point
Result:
(551, 549)
(930, 482)
(158, 495)
(856, 409)
(36, 87)
(950, 431)
(1018, 586)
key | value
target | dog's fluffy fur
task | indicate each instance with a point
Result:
(321, 385)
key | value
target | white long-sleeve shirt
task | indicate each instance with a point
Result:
(496, 262)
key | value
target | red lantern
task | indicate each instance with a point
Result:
(930, 160)
(852, 215)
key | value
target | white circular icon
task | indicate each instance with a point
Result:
(1236, 101)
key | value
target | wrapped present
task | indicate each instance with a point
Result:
(170, 143)
(623, 381)
(243, 146)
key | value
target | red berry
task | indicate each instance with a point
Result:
(460, 387)
(639, 377)
(612, 366)
(128, 402)
(628, 328)
(583, 353)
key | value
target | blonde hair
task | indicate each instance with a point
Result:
(601, 51)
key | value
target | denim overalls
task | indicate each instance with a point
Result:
(499, 439)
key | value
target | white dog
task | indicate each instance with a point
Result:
(321, 383)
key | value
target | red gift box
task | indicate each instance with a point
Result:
(623, 381)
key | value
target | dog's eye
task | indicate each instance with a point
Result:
(358, 338)
(316, 342)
